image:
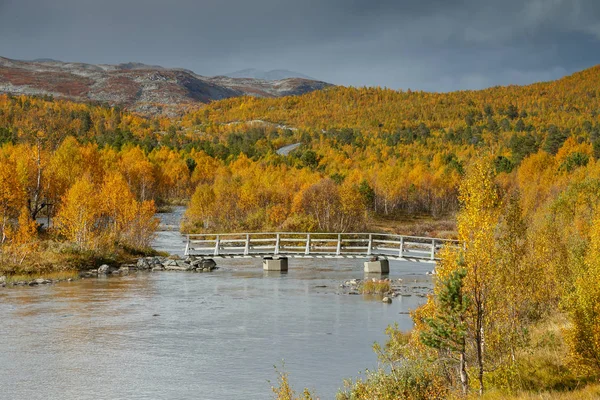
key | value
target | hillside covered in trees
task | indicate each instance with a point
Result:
(515, 310)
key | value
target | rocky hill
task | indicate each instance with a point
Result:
(139, 87)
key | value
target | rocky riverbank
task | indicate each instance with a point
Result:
(189, 264)
(4, 281)
(148, 264)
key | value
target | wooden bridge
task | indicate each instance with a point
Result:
(317, 245)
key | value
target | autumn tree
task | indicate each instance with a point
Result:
(142, 224)
(583, 336)
(116, 202)
(447, 329)
(124, 219)
(78, 216)
(200, 209)
(476, 230)
(12, 195)
(22, 238)
(138, 171)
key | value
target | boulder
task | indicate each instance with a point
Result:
(154, 261)
(143, 264)
(41, 281)
(387, 300)
(2, 279)
(158, 268)
(170, 263)
(177, 268)
(104, 269)
(209, 263)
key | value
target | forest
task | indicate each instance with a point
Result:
(512, 172)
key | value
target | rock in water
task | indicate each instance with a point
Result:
(143, 264)
(387, 300)
(103, 270)
(183, 264)
(209, 264)
(170, 263)
(178, 266)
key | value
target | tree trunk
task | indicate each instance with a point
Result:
(36, 207)
(464, 378)
(479, 340)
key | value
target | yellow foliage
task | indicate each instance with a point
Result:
(584, 306)
(77, 218)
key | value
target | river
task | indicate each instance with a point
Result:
(213, 336)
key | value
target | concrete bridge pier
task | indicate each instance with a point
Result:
(275, 264)
(377, 265)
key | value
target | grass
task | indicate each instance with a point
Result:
(543, 369)
(54, 276)
(415, 225)
(589, 392)
(52, 256)
(376, 287)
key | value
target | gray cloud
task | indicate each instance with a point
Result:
(435, 45)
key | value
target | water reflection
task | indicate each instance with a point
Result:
(189, 336)
(275, 274)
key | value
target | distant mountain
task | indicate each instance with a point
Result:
(143, 88)
(273, 75)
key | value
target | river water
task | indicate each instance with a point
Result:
(213, 336)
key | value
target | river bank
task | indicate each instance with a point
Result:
(418, 286)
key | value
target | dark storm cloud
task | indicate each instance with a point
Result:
(426, 44)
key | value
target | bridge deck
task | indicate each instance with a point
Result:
(316, 245)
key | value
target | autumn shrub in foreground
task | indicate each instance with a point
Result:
(283, 391)
(590, 392)
(541, 365)
(405, 372)
(376, 287)
(413, 380)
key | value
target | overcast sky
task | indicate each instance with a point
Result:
(434, 45)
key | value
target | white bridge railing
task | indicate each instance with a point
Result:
(294, 244)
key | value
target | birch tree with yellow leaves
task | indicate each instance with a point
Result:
(77, 219)
(476, 231)
(583, 336)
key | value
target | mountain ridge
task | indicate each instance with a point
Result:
(139, 87)
(272, 75)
